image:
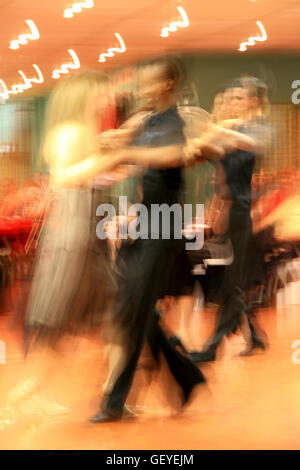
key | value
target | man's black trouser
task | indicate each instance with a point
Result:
(148, 264)
(232, 291)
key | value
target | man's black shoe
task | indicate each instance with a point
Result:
(250, 349)
(203, 356)
(104, 417)
(176, 342)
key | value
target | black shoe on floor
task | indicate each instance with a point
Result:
(176, 342)
(104, 417)
(203, 356)
(257, 344)
(188, 392)
(186, 397)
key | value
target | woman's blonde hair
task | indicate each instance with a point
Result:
(71, 97)
(73, 102)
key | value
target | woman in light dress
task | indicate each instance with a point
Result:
(74, 282)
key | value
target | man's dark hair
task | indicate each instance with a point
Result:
(172, 69)
(254, 86)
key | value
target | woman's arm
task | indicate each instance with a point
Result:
(69, 150)
(239, 140)
(81, 173)
(211, 145)
(157, 157)
(256, 137)
(217, 142)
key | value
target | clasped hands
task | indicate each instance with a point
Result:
(114, 139)
(214, 144)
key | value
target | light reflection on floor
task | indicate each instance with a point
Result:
(250, 403)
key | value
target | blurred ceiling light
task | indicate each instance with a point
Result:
(65, 68)
(21, 87)
(110, 52)
(4, 93)
(176, 24)
(23, 38)
(77, 8)
(253, 39)
(28, 81)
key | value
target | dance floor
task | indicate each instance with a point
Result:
(249, 403)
